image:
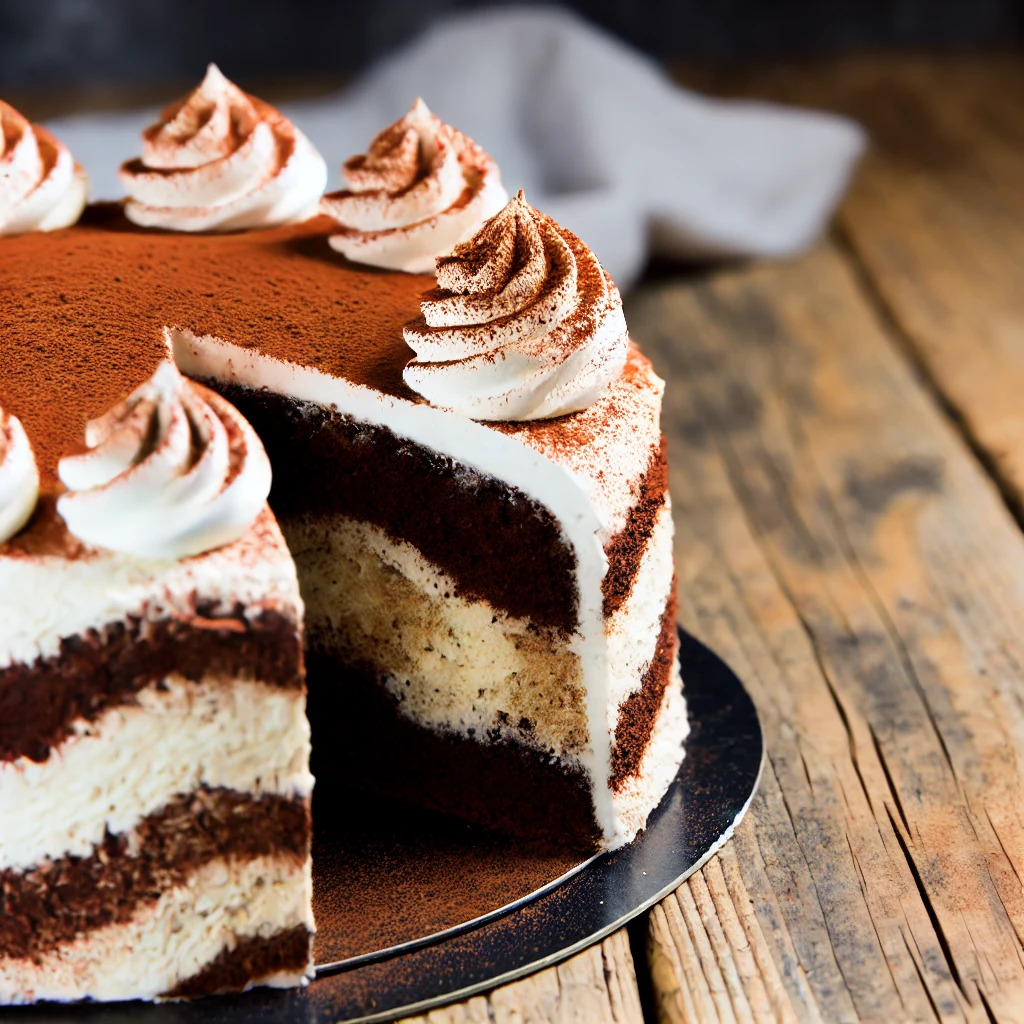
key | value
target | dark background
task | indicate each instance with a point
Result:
(49, 43)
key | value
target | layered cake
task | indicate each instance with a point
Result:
(471, 483)
(154, 779)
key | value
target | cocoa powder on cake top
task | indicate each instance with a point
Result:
(85, 310)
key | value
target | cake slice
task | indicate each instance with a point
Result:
(154, 781)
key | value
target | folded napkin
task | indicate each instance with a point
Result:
(596, 133)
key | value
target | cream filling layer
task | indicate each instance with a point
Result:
(173, 940)
(640, 794)
(70, 597)
(634, 627)
(452, 665)
(129, 763)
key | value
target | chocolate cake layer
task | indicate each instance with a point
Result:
(494, 542)
(625, 550)
(60, 899)
(252, 959)
(639, 711)
(39, 702)
(487, 780)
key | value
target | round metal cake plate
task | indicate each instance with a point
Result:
(712, 791)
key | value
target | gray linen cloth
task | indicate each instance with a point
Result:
(597, 134)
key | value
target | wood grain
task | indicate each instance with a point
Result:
(935, 220)
(841, 547)
(597, 986)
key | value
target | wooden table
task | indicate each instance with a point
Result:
(847, 450)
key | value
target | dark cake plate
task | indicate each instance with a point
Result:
(414, 909)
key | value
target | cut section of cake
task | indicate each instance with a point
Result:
(511, 656)
(154, 749)
(489, 584)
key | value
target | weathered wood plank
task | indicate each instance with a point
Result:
(597, 986)
(936, 220)
(708, 957)
(840, 546)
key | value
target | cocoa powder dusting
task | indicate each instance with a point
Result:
(85, 311)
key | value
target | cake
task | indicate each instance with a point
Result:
(469, 489)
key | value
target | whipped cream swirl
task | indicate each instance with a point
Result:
(222, 160)
(172, 471)
(19, 477)
(41, 186)
(421, 188)
(525, 324)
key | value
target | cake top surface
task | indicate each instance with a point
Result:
(88, 307)
(84, 320)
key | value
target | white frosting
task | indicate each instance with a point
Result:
(571, 491)
(633, 628)
(19, 477)
(172, 940)
(41, 186)
(72, 596)
(528, 325)
(244, 736)
(622, 429)
(421, 188)
(222, 160)
(172, 471)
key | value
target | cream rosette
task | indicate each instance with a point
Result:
(41, 186)
(172, 471)
(420, 189)
(222, 160)
(525, 324)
